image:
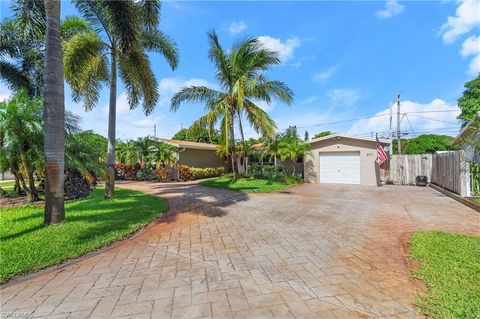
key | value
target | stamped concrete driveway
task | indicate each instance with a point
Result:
(313, 251)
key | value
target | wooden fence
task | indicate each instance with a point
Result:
(404, 169)
(448, 170)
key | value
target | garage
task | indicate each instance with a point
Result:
(343, 159)
(340, 167)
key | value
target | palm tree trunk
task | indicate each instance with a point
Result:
(110, 183)
(54, 116)
(233, 151)
(244, 151)
(294, 167)
(32, 191)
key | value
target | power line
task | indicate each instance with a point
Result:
(432, 119)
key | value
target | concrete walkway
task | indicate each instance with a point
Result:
(313, 251)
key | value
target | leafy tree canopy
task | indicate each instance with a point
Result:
(425, 144)
(469, 103)
(198, 135)
(322, 134)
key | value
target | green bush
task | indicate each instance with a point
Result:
(188, 173)
(146, 174)
(266, 172)
(199, 173)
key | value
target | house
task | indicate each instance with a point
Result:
(343, 159)
(195, 154)
(469, 135)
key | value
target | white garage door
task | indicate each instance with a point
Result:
(340, 167)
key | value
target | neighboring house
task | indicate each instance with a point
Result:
(343, 159)
(472, 136)
(195, 154)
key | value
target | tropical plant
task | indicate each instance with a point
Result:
(469, 102)
(144, 148)
(291, 149)
(202, 135)
(127, 152)
(22, 47)
(162, 153)
(242, 83)
(21, 136)
(323, 134)
(54, 116)
(124, 31)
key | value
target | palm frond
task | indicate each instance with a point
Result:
(259, 119)
(30, 18)
(156, 41)
(195, 94)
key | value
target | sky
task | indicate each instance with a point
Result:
(344, 60)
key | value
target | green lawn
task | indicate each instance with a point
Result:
(449, 265)
(7, 183)
(27, 244)
(247, 185)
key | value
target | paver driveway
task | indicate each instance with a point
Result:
(312, 251)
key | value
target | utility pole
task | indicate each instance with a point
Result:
(390, 137)
(154, 130)
(399, 143)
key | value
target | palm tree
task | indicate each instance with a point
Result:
(144, 148)
(54, 116)
(241, 84)
(22, 47)
(124, 31)
(21, 138)
(127, 152)
(291, 149)
(162, 153)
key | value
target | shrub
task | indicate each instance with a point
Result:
(199, 173)
(75, 186)
(188, 173)
(266, 172)
(126, 171)
(185, 172)
(164, 174)
(146, 174)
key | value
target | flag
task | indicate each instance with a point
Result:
(381, 155)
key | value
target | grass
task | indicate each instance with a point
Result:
(7, 184)
(247, 185)
(27, 244)
(449, 265)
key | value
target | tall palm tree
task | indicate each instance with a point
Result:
(242, 83)
(54, 116)
(123, 31)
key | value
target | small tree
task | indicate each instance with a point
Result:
(291, 149)
(469, 103)
(322, 134)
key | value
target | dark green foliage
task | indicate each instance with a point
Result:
(469, 103)
(449, 265)
(322, 134)
(187, 173)
(425, 144)
(269, 172)
(28, 244)
(200, 135)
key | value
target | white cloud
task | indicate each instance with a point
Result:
(236, 27)
(285, 49)
(466, 19)
(422, 123)
(326, 74)
(143, 123)
(5, 93)
(392, 8)
(309, 100)
(471, 46)
(343, 97)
